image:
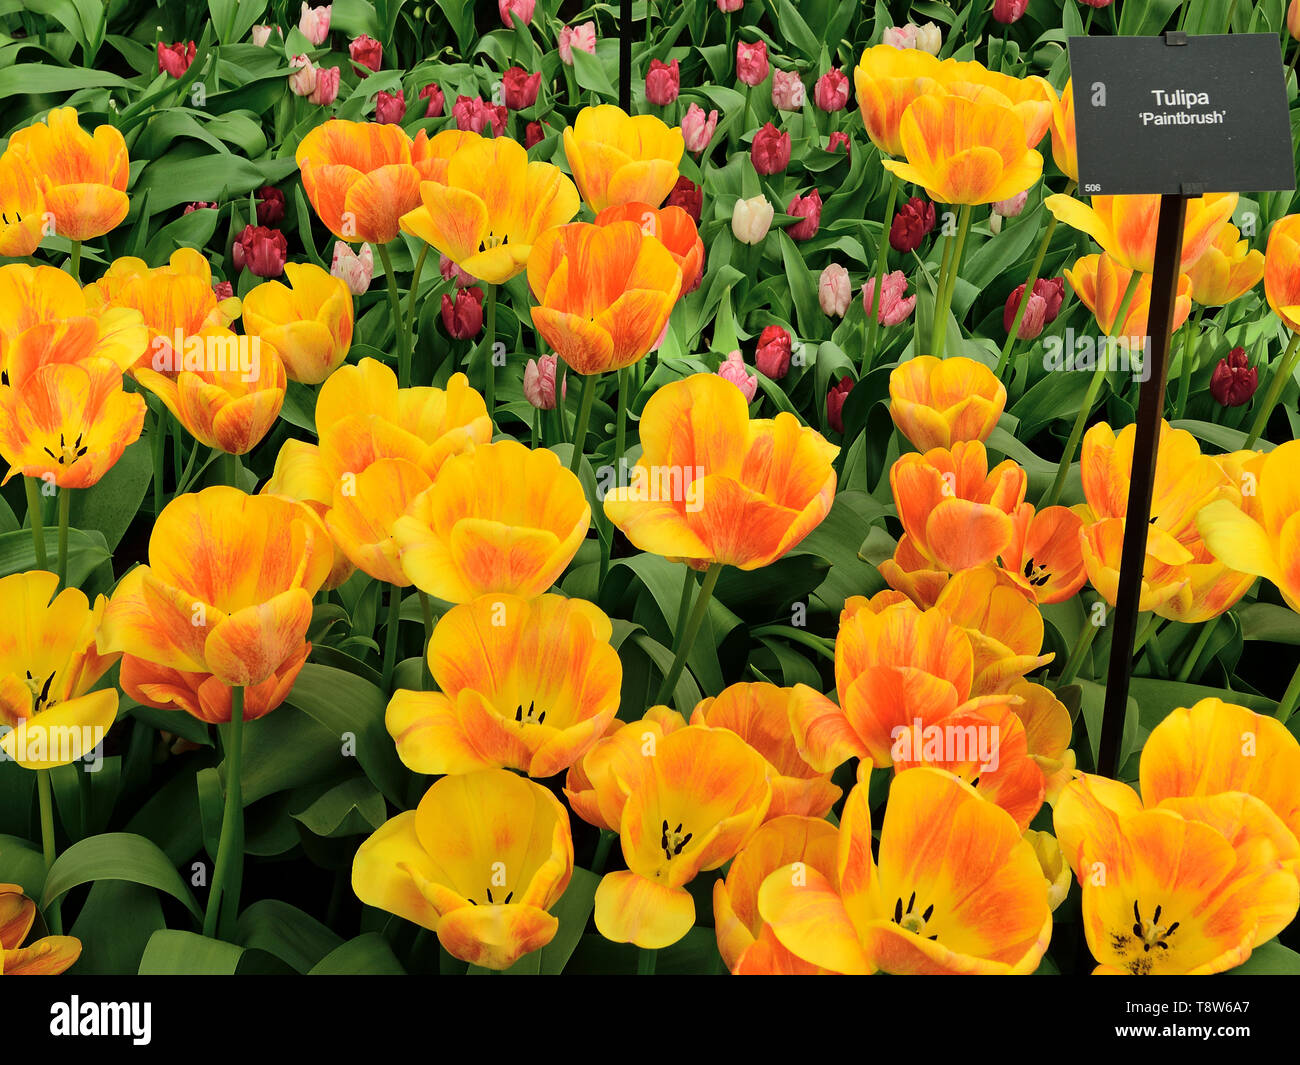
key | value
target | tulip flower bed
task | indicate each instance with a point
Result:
(454, 523)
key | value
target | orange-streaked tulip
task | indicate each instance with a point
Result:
(1031, 98)
(1002, 621)
(1044, 555)
(309, 325)
(68, 422)
(1282, 270)
(691, 804)
(203, 695)
(174, 301)
(229, 395)
(500, 518)
(1218, 747)
(965, 151)
(893, 668)
(617, 158)
(1165, 893)
(954, 509)
(22, 208)
(41, 297)
(362, 177)
(227, 589)
(301, 475)
(939, 402)
(83, 176)
(528, 685)
(713, 486)
(591, 785)
(1228, 269)
(48, 665)
(912, 574)
(364, 513)
(1048, 730)
(1101, 282)
(1261, 534)
(490, 206)
(760, 715)
(956, 890)
(887, 80)
(479, 862)
(745, 941)
(1163, 574)
(47, 956)
(604, 293)
(672, 227)
(1125, 226)
(1065, 150)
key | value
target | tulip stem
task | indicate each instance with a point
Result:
(426, 610)
(159, 459)
(584, 416)
(1034, 272)
(882, 264)
(683, 605)
(1090, 397)
(1077, 653)
(1194, 655)
(686, 637)
(74, 261)
(230, 846)
(65, 511)
(489, 354)
(620, 430)
(46, 794)
(230, 469)
(415, 288)
(395, 305)
(1285, 368)
(1190, 349)
(390, 636)
(940, 331)
(1290, 698)
(645, 961)
(603, 845)
(38, 524)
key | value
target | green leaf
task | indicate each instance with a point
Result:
(294, 937)
(110, 506)
(590, 73)
(35, 79)
(86, 552)
(116, 856)
(352, 808)
(115, 926)
(174, 953)
(572, 911)
(1272, 959)
(1270, 623)
(367, 955)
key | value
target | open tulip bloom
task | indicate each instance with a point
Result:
(451, 523)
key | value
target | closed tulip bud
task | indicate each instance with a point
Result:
(315, 23)
(533, 134)
(270, 206)
(838, 138)
(995, 223)
(175, 59)
(367, 54)
(581, 37)
(834, 290)
(519, 88)
(788, 93)
(390, 107)
(261, 250)
(1009, 11)
(1102, 3)
(302, 82)
(770, 151)
(831, 93)
(539, 381)
(327, 86)
(1011, 208)
(354, 269)
(772, 356)
(449, 269)
(751, 219)
(462, 317)
(1293, 19)
(1234, 380)
(751, 62)
(689, 197)
(697, 128)
(200, 205)
(476, 116)
(261, 34)
(1044, 305)
(929, 38)
(663, 82)
(912, 222)
(433, 93)
(835, 400)
(729, 6)
(223, 290)
(894, 306)
(733, 369)
(809, 208)
(900, 36)
(523, 8)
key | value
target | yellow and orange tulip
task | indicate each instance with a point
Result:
(1101, 281)
(940, 402)
(309, 325)
(617, 158)
(1282, 270)
(1228, 269)
(887, 80)
(1065, 151)
(22, 208)
(672, 227)
(1044, 555)
(47, 956)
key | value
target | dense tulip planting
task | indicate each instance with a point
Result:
(452, 522)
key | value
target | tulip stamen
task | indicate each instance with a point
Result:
(40, 692)
(1037, 576)
(1152, 933)
(673, 842)
(913, 922)
(493, 241)
(531, 716)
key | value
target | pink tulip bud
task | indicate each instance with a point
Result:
(302, 82)
(663, 81)
(315, 23)
(894, 306)
(834, 290)
(522, 8)
(835, 400)
(355, 269)
(733, 370)
(327, 86)
(449, 269)
(751, 62)
(433, 93)
(367, 54)
(539, 382)
(175, 59)
(809, 208)
(390, 107)
(261, 34)
(727, 7)
(788, 93)
(581, 37)
(831, 93)
(900, 36)
(462, 316)
(697, 128)
(1012, 207)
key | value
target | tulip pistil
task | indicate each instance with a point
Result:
(40, 691)
(673, 841)
(910, 921)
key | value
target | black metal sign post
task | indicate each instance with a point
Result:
(1175, 116)
(625, 55)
